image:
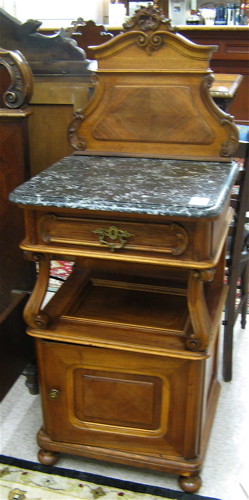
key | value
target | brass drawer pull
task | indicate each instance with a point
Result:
(54, 394)
(113, 233)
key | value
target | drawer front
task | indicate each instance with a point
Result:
(111, 237)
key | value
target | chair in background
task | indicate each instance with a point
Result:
(87, 33)
(237, 260)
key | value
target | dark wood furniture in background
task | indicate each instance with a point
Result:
(224, 89)
(237, 261)
(232, 56)
(57, 54)
(127, 348)
(62, 82)
(88, 33)
(55, 100)
(17, 276)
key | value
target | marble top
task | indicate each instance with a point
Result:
(131, 185)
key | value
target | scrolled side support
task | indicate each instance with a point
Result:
(20, 89)
(33, 315)
(197, 306)
(229, 146)
(76, 141)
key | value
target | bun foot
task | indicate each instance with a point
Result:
(48, 457)
(190, 484)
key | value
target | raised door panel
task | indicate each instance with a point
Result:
(112, 399)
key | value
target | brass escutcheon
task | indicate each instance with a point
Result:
(54, 394)
(113, 233)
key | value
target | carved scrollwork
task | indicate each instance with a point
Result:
(156, 40)
(146, 19)
(143, 40)
(208, 81)
(43, 226)
(150, 43)
(77, 142)
(229, 147)
(181, 239)
(20, 89)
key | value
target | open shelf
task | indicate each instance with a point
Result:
(137, 305)
(126, 312)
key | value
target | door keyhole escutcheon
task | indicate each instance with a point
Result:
(54, 394)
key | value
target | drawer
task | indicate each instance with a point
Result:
(112, 237)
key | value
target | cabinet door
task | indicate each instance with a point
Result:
(121, 400)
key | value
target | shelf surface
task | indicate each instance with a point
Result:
(123, 304)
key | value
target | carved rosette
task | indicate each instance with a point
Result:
(41, 320)
(192, 343)
(20, 89)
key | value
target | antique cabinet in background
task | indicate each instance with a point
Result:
(16, 275)
(232, 57)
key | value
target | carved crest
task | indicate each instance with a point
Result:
(149, 18)
(154, 102)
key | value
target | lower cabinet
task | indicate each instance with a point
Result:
(129, 407)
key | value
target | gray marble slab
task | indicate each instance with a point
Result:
(131, 185)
